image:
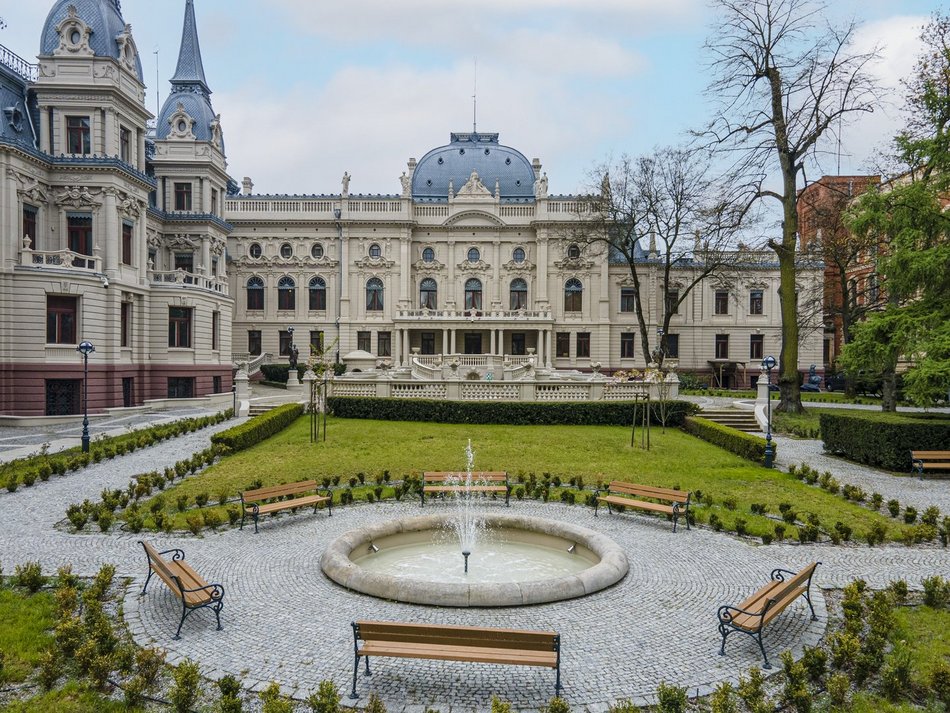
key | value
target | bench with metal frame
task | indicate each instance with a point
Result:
(930, 460)
(255, 501)
(752, 615)
(675, 502)
(455, 643)
(186, 584)
(494, 482)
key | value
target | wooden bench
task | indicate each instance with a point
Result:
(752, 614)
(186, 584)
(483, 481)
(255, 501)
(455, 643)
(629, 495)
(930, 460)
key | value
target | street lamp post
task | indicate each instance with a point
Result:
(85, 348)
(768, 364)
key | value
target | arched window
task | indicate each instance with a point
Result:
(573, 295)
(374, 295)
(473, 293)
(474, 255)
(573, 252)
(428, 294)
(255, 293)
(318, 294)
(519, 294)
(286, 293)
(375, 250)
(518, 255)
(428, 255)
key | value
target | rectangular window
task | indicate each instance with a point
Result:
(722, 346)
(316, 341)
(128, 391)
(627, 345)
(518, 344)
(126, 244)
(428, 343)
(583, 344)
(186, 262)
(182, 196)
(673, 346)
(756, 346)
(214, 266)
(181, 387)
(673, 302)
(125, 144)
(78, 135)
(63, 397)
(215, 331)
(722, 302)
(755, 302)
(126, 324)
(285, 340)
(29, 225)
(384, 344)
(179, 327)
(363, 341)
(254, 342)
(61, 317)
(216, 384)
(563, 345)
(214, 201)
(79, 230)
(318, 297)
(628, 296)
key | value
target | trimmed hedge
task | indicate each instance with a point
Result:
(742, 444)
(258, 428)
(280, 372)
(513, 413)
(883, 440)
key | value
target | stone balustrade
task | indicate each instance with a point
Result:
(518, 315)
(59, 259)
(182, 278)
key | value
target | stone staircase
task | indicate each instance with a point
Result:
(734, 418)
(258, 409)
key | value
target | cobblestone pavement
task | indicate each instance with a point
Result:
(283, 620)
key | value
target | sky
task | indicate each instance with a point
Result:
(308, 89)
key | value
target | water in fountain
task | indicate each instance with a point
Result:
(467, 524)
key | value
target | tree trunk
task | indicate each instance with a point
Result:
(889, 391)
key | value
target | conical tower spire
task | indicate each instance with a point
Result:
(190, 70)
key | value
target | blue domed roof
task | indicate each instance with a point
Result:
(473, 152)
(189, 86)
(104, 18)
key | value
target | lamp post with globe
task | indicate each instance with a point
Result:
(85, 348)
(768, 364)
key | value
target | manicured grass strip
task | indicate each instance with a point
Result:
(25, 625)
(73, 697)
(598, 453)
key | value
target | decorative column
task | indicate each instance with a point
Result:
(206, 255)
(445, 341)
(491, 339)
(547, 348)
(110, 246)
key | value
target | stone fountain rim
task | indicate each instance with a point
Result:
(338, 566)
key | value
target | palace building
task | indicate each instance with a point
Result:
(131, 235)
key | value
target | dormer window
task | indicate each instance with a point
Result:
(78, 135)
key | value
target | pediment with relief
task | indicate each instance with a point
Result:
(30, 190)
(368, 262)
(523, 266)
(473, 219)
(468, 266)
(474, 188)
(78, 197)
(433, 266)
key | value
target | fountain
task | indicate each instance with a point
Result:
(507, 560)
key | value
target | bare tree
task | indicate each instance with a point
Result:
(664, 211)
(785, 79)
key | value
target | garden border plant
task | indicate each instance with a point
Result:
(884, 440)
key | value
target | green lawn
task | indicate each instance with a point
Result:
(25, 632)
(597, 453)
(73, 697)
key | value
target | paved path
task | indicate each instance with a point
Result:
(284, 620)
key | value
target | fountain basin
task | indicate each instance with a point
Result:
(603, 562)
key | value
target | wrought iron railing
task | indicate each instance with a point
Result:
(28, 71)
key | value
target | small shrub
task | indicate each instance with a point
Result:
(184, 692)
(839, 685)
(375, 705)
(233, 516)
(931, 516)
(876, 500)
(51, 668)
(273, 702)
(898, 590)
(740, 525)
(844, 649)
(714, 522)
(896, 672)
(671, 699)
(876, 533)
(752, 690)
(29, 576)
(327, 699)
(181, 502)
(213, 519)
(795, 693)
(729, 503)
(790, 516)
(201, 499)
(936, 591)
(195, 521)
(779, 531)
(134, 520)
(724, 699)
(910, 515)
(149, 662)
(894, 508)
(940, 681)
(815, 661)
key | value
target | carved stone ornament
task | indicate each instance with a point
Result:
(153, 239)
(105, 71)
(47, 69)
(368, 262)
(29, 190)
(73, 35)
(14, 116)
(129, 205)
(433, 266)
(78, 197)
(573, 264)
(523, 266)
(182, 125)
(215, 127)
(479, 266)
(127, 49)
(474, 188)
(625, 281)
(218, 247)
(181, 242)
